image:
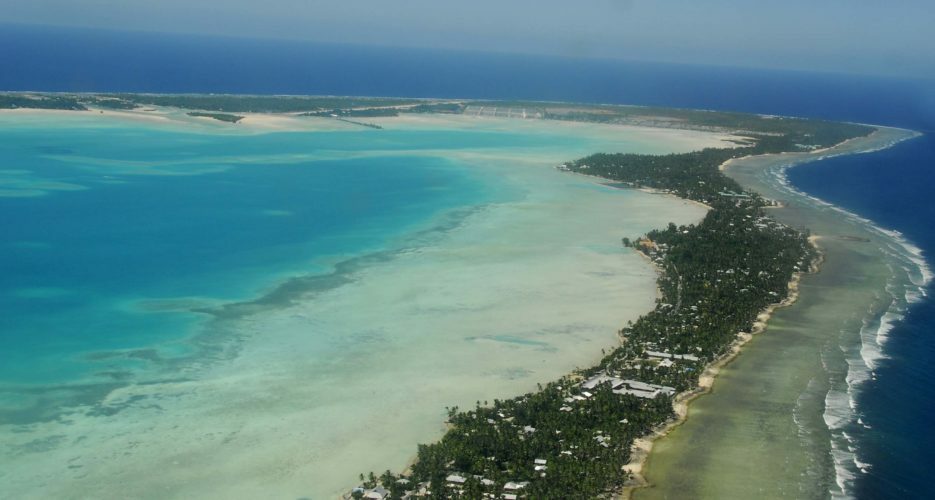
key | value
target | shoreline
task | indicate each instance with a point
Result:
(644, 448)
(260, 123)
(233, 387)
(714, 189)
(712, 370)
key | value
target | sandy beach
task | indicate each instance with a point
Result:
(643, 447)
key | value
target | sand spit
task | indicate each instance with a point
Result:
(666, 140)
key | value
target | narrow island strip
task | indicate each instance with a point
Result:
(586, 435)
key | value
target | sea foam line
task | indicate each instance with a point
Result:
(911, 275)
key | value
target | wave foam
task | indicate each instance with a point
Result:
(910, 275)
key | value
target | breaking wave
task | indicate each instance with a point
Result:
(864, 347)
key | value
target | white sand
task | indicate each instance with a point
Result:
(659, 140)
(523, 292)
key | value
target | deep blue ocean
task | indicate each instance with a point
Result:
(895, 187)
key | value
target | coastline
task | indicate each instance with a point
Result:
(751, 171)
(206, 399)
(714, 369)
(643, 447)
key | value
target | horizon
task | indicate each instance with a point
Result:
(836, 36)
(68, 59)
(215, 240)
(467, 51)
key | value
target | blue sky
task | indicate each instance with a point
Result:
(872, 37)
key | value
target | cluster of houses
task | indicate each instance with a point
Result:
(511, 490)
(623, 386)
(455, 484)
(504, 112)
(455, 481)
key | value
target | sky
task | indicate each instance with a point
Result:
(892, 38)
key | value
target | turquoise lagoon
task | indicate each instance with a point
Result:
(111, 231)
(266, 313)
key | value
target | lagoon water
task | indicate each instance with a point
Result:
(256, 313)
(890, 187)
(104, 220)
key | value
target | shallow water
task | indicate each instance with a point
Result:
(782, 412)
(888, 443)
(260, 314)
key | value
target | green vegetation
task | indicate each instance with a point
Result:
(765, 133)
(570, 439)
(40, 101)
(768, 133)
(355, 113)
(692, 175)
(696, 175)
(224, 117)
(222, 107)
(440, 107)
(108, 102)
(260, 104)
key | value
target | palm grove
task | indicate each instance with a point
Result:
(716, 277)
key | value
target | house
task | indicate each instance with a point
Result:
(642, 386)
(378, 493)
(665, 355)
(595, 381)
(638, 393)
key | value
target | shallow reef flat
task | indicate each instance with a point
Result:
(772, 427)
(306, 389)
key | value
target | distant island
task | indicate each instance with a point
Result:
(717, 279)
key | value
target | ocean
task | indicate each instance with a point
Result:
(893, 436)
(892, 445)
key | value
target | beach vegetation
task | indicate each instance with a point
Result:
(40, 101)
(573, 437)
(224, 117)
